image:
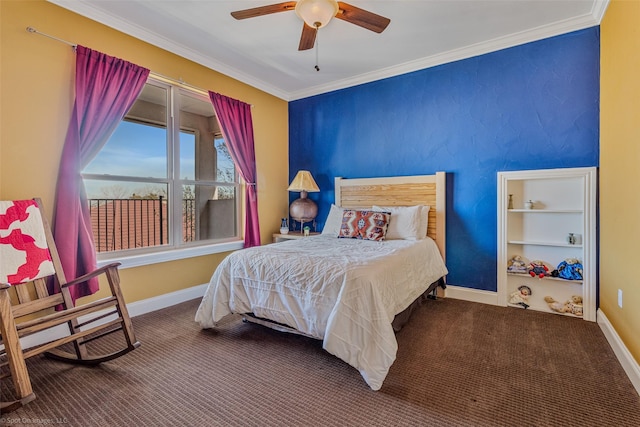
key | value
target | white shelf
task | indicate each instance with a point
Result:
(532, 243)
(568, 211)
(542, 306)
(557, 279)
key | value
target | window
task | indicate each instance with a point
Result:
(163, 181)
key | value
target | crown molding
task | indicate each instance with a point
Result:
(539, 33)
(589, 20)
(99, 15)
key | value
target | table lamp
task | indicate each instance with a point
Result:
(303, 209)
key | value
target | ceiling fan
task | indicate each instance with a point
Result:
(316, 14)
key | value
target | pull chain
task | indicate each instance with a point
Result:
(317, 67)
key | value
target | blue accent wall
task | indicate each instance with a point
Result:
(534, 106)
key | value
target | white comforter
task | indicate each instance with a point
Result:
(343, 291)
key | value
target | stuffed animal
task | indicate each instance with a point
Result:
(521, 296)
(569, 269)
(538, 268)
(573, 306)
(576, 305)
(517, 265)
(557, 306)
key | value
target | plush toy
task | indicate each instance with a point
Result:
(521, 296)
(538, 268)
(576, 305)
(517, 265)
(573, 306)
(569, 269)
(557, 306)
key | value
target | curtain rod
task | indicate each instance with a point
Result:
(152, 73)
(33, 30)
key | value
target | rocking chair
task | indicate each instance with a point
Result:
(28, 256)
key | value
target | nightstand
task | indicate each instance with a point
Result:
(277, 237)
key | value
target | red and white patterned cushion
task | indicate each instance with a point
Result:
(24, 255)
(366, 225)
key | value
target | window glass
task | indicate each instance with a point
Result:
(226, 167)
(188, 155)
(163, 180)
(134, 149)
(123, 219)
(209, 212)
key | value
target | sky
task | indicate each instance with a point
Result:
(133, 150)
(139, 150)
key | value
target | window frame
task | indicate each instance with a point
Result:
(177, 248)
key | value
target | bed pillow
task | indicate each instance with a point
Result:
(333, 222)
(407, 222)
(424, 221)
(365, 225)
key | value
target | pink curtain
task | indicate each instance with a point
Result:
(237, 128)
(105, 89)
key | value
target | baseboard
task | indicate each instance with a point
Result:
(166, 300)
(469, 294)
(625, 357)
(136, 308)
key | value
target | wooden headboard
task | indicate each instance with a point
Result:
(363, 193)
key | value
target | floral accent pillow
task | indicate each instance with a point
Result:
(365, 225)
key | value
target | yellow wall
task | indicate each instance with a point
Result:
(620, 169)
(36, 84)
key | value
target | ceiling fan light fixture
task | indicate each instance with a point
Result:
(316, 13)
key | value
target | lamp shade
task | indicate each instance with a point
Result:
(303, 209)
(316, 13)
(303, 181)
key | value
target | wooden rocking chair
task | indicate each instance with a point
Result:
(27, 308)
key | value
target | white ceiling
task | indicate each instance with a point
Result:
(263, 51)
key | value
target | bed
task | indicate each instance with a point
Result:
(352, 294)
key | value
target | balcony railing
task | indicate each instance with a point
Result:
(119, 224)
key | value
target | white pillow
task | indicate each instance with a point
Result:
(407, 222)
(334, 221)
(424, 221)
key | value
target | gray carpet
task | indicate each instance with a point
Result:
(458, 364)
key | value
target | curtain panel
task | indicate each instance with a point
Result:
(105, 89)
(237, 128)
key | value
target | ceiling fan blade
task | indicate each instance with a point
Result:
(264, 10)
(361, 17)
(308, 37)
